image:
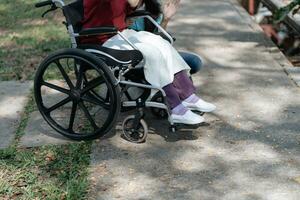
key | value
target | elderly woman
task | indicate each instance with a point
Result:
(164, 67)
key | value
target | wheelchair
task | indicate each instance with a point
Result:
(80, 91)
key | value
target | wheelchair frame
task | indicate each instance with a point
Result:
(140, 104)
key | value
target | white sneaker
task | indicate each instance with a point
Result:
(188, 118)
(200, 105)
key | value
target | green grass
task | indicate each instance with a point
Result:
(30, 107)
(26, 38)
(49, 172)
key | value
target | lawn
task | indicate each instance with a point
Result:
(26, 38)
(49, 172)
(52, 172)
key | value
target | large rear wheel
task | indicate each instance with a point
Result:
(77, 94)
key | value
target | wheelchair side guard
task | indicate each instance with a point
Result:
(114, 57)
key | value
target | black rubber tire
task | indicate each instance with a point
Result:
(130, 134)
(99, 67)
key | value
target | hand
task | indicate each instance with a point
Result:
(134, 3)
(129, 22)
(170, 9)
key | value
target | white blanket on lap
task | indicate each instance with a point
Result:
(162, 61)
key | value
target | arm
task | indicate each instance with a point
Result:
(134, 3)
(164, 23)
(169, 10)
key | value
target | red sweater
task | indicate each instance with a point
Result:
(99, 13)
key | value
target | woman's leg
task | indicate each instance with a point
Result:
(173, 98)
(193, 60)
(186, 92)
(179, 113)
(183, 85)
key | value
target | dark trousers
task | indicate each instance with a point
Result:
(181, 88)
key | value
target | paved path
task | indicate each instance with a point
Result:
(251, 148)
(38, 133)
(13, 98)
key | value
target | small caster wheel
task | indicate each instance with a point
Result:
(173, 128)
(158, 112)
(133, 134)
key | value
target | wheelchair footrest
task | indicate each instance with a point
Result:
(174, 128)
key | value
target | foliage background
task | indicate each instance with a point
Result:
(26, 38)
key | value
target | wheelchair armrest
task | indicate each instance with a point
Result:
(99, 31)
(165, 37)
(143, 13)
(139, 13)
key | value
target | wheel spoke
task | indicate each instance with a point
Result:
(93, 100)
(92, 84)
(72, 116)
(65, 75)
(88, 115)
(103, 99)
(98, 96)
(130, 131)
(79, 77)
(55, 87)
(127, 129)
(59, 104)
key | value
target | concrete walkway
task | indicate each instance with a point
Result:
(251, 150)
(13, 98)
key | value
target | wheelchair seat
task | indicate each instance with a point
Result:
(114, 57)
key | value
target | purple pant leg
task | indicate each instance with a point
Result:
(172, 95)
(183, 85)
(181, 88)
